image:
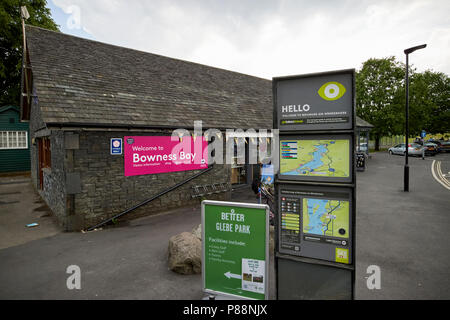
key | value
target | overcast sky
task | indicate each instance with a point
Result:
(267, 38)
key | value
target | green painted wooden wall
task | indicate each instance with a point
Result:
(13, 160)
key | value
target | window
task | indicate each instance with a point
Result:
(44, 158)
(13, 140)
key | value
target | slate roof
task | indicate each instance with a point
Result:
(84, 82)
(363, 124)
(88, 82)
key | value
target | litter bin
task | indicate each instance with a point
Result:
(361, 161)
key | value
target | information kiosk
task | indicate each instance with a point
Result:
(315, 185)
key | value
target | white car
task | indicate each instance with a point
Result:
(363, 147)
(414, 149)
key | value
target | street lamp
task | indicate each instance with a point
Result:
(406, 172)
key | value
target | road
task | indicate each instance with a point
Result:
(20, 205)
(405, 234)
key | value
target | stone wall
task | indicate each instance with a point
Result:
(53, 191)
(36, 124)
(105, 191)
(102, 190)
(54, 188)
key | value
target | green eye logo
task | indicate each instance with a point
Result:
(331, 91)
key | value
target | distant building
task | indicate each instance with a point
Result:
(14, 141)
(362, 135)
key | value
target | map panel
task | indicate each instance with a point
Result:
(326, 217)
(319, 158)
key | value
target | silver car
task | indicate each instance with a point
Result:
(414, 149)
(363, 147)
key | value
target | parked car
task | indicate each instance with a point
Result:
(363, 147)
(414, 149)
(437, 142)
(445, 146)
(431, 148)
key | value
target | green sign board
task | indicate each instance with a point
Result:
(235, 249)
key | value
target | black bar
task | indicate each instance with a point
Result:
(406, 171)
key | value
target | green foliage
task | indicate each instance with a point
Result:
(429, 101)
(11, 42)
(377, 86)
(380, 99)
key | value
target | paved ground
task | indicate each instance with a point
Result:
(405, 234)
(21, 205)
(120, 263)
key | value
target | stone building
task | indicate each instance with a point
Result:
(77, 94)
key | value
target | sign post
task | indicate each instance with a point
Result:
(423, 134)
(116, 146)
(235, 249)
(315, 185)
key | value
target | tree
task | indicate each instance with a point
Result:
(378, 85)
(11, 43)
(429, 96)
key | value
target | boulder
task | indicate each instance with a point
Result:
(185, 251)
(198, 232)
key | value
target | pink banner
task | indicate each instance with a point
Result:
(157, 154)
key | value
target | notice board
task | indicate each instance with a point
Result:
(235, 249)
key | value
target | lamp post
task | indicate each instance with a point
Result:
(406, 171)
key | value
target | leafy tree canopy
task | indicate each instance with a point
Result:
(429, 101)
(377, 86)
(380, 98)
(11, 43)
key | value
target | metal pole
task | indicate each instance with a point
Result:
(406, 173)
(407, 52)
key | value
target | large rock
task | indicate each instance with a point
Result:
(198, 232)
(185, 251)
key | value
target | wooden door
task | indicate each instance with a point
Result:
(44, 160)
(40, 162)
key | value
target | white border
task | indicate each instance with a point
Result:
(111, 147)
(17, 139)
(267, 258)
